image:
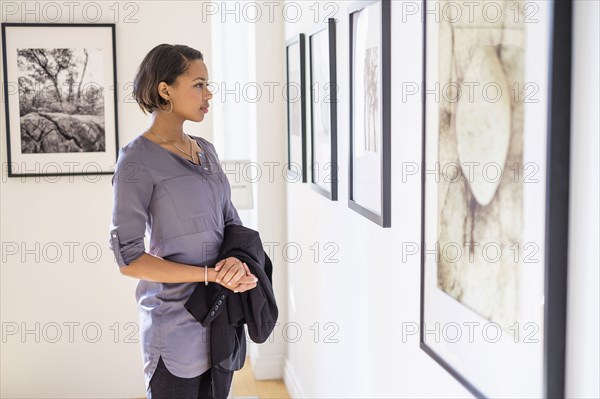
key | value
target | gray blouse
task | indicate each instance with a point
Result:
(184, 207)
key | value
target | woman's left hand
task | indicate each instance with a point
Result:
(230, 270)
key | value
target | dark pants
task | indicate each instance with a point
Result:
(164, 385)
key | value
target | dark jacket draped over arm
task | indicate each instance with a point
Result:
(227, 312)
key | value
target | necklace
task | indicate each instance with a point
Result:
(191, 154)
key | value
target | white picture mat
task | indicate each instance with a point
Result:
(18, 37)
(367, 166)
(504, 368)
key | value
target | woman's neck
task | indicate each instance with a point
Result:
(168, 127)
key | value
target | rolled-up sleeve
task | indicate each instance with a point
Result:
(132, 190)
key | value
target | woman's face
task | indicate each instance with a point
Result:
(189, 93)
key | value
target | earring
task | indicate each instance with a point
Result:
(171, 110)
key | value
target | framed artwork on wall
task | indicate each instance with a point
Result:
(323, 95)
(296, 108)
(60, 98)
(369, 191)
(495, 211)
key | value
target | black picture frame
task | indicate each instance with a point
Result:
(549, 379)
(296, 108)
(61, 117)
(323, 95)
(382, 166)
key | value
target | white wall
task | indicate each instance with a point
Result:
(583, 315)
(268, 358)
(79, 211)
(370, 292)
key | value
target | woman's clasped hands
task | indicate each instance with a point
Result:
(235, 275)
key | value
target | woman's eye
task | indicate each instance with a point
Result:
(200, 85)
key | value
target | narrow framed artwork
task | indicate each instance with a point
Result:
(296, 108)
(496, 133)
(60, 98)
(369, 191)
(323, 94)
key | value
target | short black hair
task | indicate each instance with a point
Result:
(164, 63)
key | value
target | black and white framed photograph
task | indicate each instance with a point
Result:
(60, 98)
(369, 191)
(296, 108)
(323, 111)
(494, 224)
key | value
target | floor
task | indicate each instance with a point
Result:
(244, 386)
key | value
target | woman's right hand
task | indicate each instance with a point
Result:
(245, 283)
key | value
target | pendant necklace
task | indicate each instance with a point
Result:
(176, 146)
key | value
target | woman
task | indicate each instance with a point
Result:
(171, 184)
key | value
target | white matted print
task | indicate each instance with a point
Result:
(323, 86)
(485, 223)
(370, 106)
(296, 107)
(61, 98)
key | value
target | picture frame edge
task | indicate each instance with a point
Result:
(112, 26)
(557, 207)
(383, 220)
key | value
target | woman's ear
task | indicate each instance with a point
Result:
(163, 90)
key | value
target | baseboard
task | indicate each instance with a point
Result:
(267, 367)
(291, 381)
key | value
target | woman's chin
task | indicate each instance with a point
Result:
(197, 118)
